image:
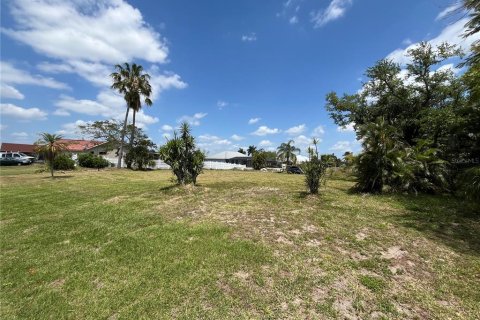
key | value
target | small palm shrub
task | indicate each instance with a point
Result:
(315, 170)
(63, 162)
(88, 160)
(182, 156)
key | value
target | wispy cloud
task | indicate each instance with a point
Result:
(296, 130)
(192, 120)
(249, 37)
(11, 110)
(236, 137)
(335, 10)
(264, 130)
(348, 128)
(222, 104)
(254, 120)
(453, 34)
(318, 131)
(448, 11)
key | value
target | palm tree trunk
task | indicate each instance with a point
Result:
(51, 164)
(132, 136)
(120, 152)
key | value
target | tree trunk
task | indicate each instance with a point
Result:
(132, 136)
(120, 153)
(51, 164)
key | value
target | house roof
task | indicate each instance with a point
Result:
(227, 155)
(17, 147)
(79, 145)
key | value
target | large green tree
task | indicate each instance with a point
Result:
(422, 107)
(110, 131)
(133, 84)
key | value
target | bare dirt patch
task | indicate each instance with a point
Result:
(394, 253)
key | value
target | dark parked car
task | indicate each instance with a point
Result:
(294, 170)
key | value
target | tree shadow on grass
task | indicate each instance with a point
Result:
(59, 177)
(446, 219)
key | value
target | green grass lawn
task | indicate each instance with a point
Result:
(130, 245)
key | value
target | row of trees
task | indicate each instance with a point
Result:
(419, 126)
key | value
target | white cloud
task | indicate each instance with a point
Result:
(449, 67)
(221, 104)
(12, 75)
(302, 142)
(318, 131)
(166, 127)
(192, 120)
(166, 135)
(61, 113)
(20, 134)
(11, 110)
(254, 120)
(213, 143)
(296, 130)
(407, 42)
(343, 146)
(265, 143)
(348, 128)
(451, 34)
(87, 37)
(3, 127)
(293, 20)
(264, 130)
(164, 81)
(7, 91)
(249, 37)
(71, 129)
(237, 137)
(336, 9)
(95, 31)
(108, 104)
(448, 11)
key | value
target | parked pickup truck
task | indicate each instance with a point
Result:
(15, 159)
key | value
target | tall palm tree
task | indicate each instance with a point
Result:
(287, 151)
(133, 84)
(50, 146)
(251, 150)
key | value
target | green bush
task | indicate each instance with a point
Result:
(63, 162)
(468, 184)
(140, 156)
(181, 155)
(259, 160)
(315, 171)
(88, 160)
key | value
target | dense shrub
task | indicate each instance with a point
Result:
(63, 162)
(315, 171)
(140, 156)
(259, 160)
(468, 184)
(182, 156)
(88, 160)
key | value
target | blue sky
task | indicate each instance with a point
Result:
(241, 72)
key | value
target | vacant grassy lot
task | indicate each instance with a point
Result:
(131, 245)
